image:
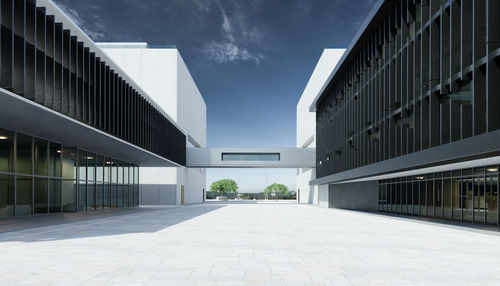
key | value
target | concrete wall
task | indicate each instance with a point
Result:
(307, 192)
(162, 73)
(306, 123)
(354, 196)
(151, 194)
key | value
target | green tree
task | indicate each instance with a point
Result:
(224, 186)
(276, 190)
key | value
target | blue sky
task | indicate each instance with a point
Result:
(251, 59)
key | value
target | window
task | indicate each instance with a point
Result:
(250, 156)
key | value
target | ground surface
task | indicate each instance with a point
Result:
(248, 243)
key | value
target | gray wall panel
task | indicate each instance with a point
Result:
(153, 194)
(354, 196)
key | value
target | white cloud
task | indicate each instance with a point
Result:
(78, 20)
(229, 52)
(237, 37)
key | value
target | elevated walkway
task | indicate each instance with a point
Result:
(251, 157)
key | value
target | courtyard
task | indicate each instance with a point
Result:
(245, 243)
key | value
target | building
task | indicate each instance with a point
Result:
(306, 127)
(75, 127)
(409, 120)
(161, 72)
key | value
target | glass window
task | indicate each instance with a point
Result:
(69, 192)
(125, 173)
(492, 195)
(409, 196)
(41, 157)
(467, 190)
(393, 197)
(125, 195)
(250, 156)
(6, 151)
(438, 201)
(90, 195)
(136, 175)
(24, 153)
(478, 196)
(99, 196)
(447, 209)
(91, 163)
(120, 173)
(69, 163)
(416, 199)
(82, 195)
(430, 198)
(107, 169)
(404, 206)
(55, 194)
(458, 200)
(137, 195)
(41, 196)
(107, 195)
(82, 165)
(99, 174)
(423, 199)
(120, 195)
(114, 198)
(55, 160)
(6, 195)
(24, 196)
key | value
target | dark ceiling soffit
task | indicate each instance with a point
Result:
(25, 116)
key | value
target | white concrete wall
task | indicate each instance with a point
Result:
(306, 126)
(162, 73)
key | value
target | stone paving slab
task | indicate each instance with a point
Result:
(248, 244)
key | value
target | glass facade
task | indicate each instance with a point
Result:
(468, 195)
(39, 177)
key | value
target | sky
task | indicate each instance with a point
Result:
(251, 60)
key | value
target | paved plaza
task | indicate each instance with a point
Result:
(247, 244)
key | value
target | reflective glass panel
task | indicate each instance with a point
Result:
(6, 195)
(55, 199)
(90, 195)
(430, 198)
(99, 196)
(41, 157)
(82, 165)
(6, 151)
(467, 190)
(250, 156)
(69, 193)
(447, 209)
(55, 160)
(478, 197)
(491, 198)
(24, 153)
(41, 196)
(69, 163)
(82, 195)
(438, 193)
(24, 195)
(458, 200)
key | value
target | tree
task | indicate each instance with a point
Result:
(224, 186)
(276, 190)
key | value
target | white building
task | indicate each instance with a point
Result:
(163, 75)
(306, 127)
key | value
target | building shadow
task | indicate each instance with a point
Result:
(108, 222)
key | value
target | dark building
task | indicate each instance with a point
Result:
(409, 121)
(73, 127)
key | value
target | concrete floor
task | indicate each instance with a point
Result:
(248, 243)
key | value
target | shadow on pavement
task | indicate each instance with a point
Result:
(99, 223)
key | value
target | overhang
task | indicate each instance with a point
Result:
(25, 116)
